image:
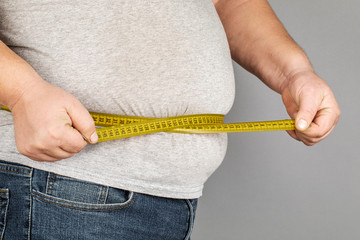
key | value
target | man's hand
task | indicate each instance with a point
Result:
(260, 43)
(310, 101)
(50, 123)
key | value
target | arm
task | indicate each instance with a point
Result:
(48, 122)
(259, 43)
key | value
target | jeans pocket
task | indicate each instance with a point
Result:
(81, 195)
(4, 202)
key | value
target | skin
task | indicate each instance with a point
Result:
(50, 124)
(259, 43)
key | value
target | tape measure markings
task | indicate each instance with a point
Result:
(118, 126)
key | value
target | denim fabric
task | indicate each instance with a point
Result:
(37, 205)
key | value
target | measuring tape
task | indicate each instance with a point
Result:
(118, 126)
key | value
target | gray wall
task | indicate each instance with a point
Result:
(273, 187)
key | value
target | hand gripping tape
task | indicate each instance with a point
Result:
(117, 126)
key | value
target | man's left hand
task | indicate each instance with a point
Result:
(310, 101)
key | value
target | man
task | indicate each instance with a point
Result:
(61, 59)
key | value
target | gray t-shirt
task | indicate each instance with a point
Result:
(153, 58)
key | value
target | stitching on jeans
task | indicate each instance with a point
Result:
(6, 207)
(106, 194)
(48, 183)
(3, 170)
(30, 202)
(13, 166)
(84, 209)
(191, 219)
(99, 198)
(100, 195)
(78, 203)
(52, 183)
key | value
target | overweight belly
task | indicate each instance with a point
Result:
(145, 58)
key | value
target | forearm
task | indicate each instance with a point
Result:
(49, 123)
(15, 76)
(259, 42)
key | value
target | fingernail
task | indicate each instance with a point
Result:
(302, 124)
(94, 137)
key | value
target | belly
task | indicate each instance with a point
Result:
(146, 58)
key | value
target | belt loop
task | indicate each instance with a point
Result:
(191, 219)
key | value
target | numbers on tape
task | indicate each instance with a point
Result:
(116, 126)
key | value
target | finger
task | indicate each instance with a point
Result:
(292, 134)
(323, 122)
(43, 158)
(312, 140)
(309, 104)
(73, 142)
(59, 154)
(65, 146)
(51, 156)
(83, 122)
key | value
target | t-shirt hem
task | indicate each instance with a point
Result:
(120, 182)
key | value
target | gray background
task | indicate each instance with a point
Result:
(271, 186)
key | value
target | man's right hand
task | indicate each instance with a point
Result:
(50, 123)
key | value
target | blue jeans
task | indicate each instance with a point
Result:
(37, 205)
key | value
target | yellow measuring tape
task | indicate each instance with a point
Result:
(118, 126)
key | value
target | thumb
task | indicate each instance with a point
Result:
(83, 122)
(307, 111)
